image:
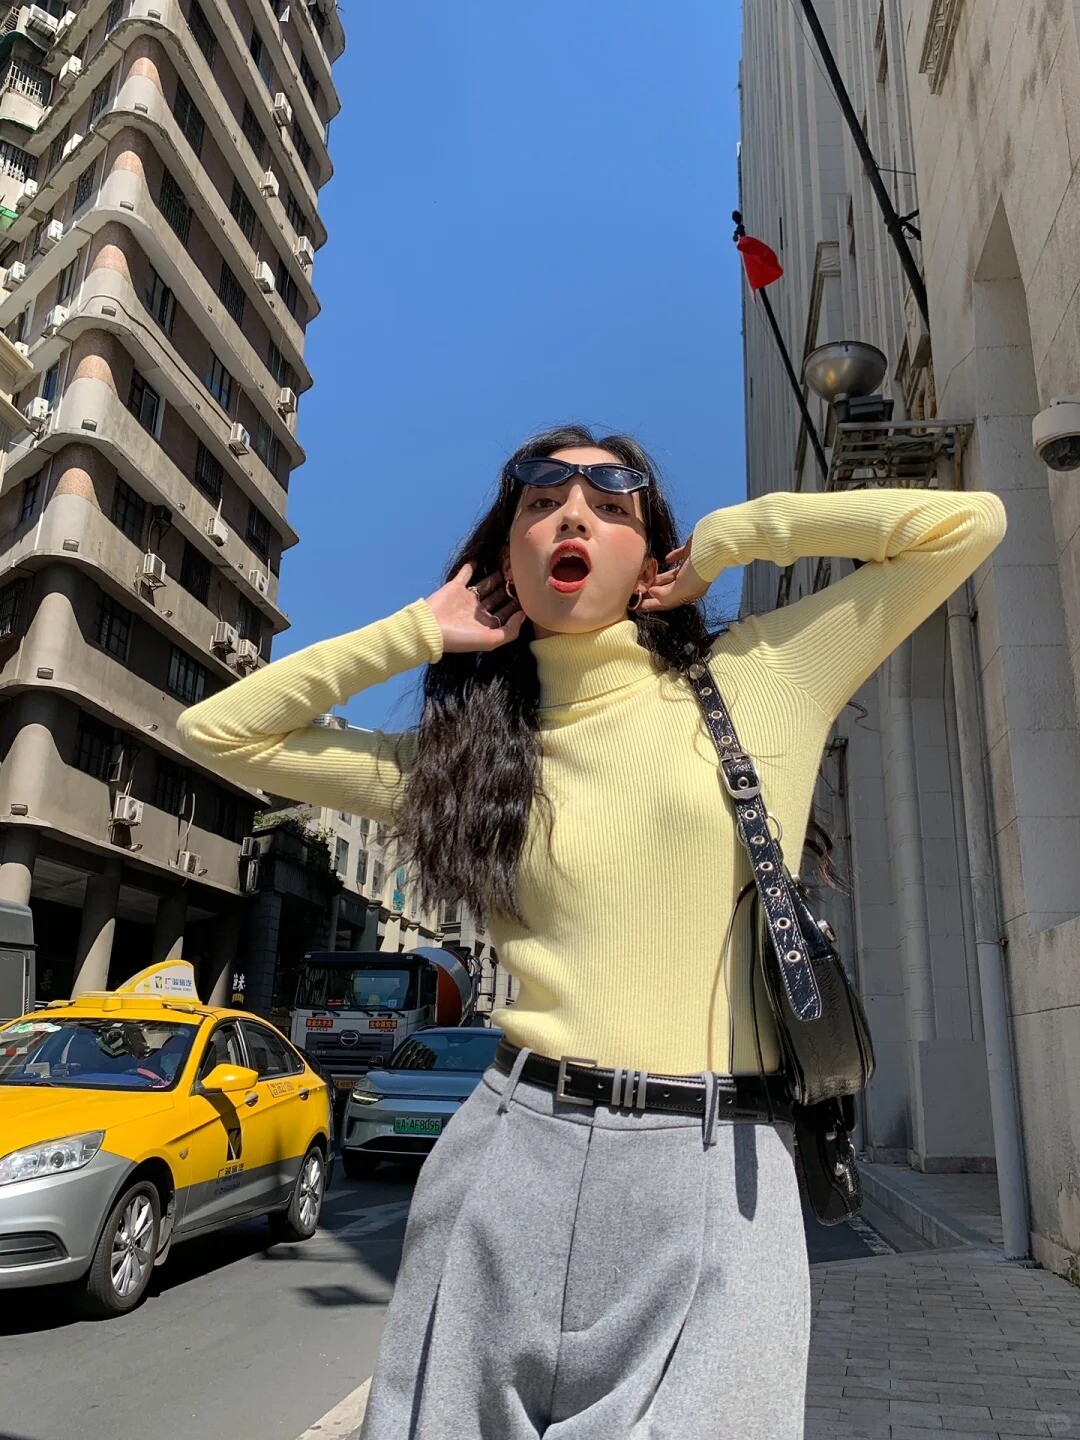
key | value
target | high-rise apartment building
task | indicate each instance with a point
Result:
(160, 168)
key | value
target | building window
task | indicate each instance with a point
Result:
(248, 621)
(307, 75)
(128, 511)
(112, 630)
(294, 212)
(317, 16)
(188, 118)
(50, 382)
(18, 164)
(85, 187)
(187, 678)
(208, 473)
(11, 598)
(31, 489)
(267, 445)
(174, 208)
(243, 212)
(94, 741)
(361, 867)
(100, 98)
(253, 133)
(258, 532)
(160, 301)
(231, 294)
(218, 381)
(57, 148)
(226, 816)
(286, 287)
(195, 570)
(200, 29)
(378, 878)
(144, 403)
(66, 283)
(300, 140)
(113, 18)
(341, 856)
(169, 786)
(279, 367)
(259, 55)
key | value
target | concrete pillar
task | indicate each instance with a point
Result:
(17, 867)
(224, 957)
(168, 941)
(98, 927)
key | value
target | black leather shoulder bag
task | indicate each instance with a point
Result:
(827, 1055)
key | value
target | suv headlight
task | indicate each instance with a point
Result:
(366, 1096)
(52, 1158)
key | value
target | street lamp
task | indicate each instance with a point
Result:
(845, 373)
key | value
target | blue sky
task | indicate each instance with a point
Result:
(529, 224)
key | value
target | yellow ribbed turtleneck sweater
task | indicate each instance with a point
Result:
(620, 960)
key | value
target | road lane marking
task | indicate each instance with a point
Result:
(343, 1419)
(376, 1218)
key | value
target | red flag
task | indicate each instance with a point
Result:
(762, 266)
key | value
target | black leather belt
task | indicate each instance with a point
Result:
(580, 1082)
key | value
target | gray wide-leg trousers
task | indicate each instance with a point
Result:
(597, 1275)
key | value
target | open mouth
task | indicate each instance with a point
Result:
(569, 569)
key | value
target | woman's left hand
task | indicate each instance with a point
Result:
(678, 585)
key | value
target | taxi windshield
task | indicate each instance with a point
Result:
(94, 1054)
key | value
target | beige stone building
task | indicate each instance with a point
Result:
(953, 783)
(160, 168)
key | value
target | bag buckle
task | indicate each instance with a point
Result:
(745, 785)
(560, 1088)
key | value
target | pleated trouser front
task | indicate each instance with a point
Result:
(597, 1275)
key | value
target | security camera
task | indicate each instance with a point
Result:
(1055, 434)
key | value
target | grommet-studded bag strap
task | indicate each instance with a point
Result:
(774, 885)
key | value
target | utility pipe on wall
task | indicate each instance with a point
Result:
(1004, 1110)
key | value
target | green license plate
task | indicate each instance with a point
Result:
(417, 1127)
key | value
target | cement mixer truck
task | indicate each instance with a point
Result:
(353, 1008)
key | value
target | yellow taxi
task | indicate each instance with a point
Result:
(133, 1119)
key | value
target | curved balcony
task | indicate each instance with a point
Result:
(90, 412)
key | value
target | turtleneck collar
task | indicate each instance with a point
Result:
(577, 668)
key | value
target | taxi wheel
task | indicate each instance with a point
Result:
(124, 1259)
(301, 1219)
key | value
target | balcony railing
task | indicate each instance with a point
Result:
(26, 80)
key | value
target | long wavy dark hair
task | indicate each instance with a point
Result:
(476, 773)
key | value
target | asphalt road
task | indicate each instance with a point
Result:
(241, 1340)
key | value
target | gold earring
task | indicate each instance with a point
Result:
(508, 586)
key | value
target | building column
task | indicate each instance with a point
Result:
(225, 957)
(94, 952)
(17, 867)
(168, 941)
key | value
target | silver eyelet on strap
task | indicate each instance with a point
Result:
(696, 672)
(749, 814)
(773, 892)
(706, 690)
(726, 740)
(714, 715)
(792, 956)
(783, 923)
(766, 868)
(757, 840)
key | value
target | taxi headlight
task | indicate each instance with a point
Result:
(52, 1158)
(366, 1096)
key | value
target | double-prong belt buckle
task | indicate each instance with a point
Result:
(560, 1088)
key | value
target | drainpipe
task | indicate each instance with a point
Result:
(963, 858)
(1004, 1110)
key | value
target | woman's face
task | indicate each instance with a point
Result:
(576, 554)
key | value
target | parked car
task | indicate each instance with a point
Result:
(129, 1121)
(398, 1112)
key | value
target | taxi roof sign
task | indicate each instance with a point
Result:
(172, 978)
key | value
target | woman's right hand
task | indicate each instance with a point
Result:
(474, 618)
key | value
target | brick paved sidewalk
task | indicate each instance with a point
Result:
(942, 1345)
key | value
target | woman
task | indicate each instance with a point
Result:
(584, 1261)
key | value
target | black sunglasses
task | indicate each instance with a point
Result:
(614, 479)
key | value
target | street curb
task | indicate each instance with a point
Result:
(343, 1421)
(936, 1226)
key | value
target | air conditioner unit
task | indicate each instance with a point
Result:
(72, 144)
(127, 810)
(188, 862)
(54, 318)
(250, 848)
(27, 195)
(52, 234)
(260, 580)
(286, 400)
(69, 71)
(264, 277)
(918, 336)
(37, 412)
(217, 530)
(282, 109)
(305, 251)
(66, 21)
(23, 348)
(41, 21)
(16, 274)
(239, 440)
(247, 655)
(225, 638)
(269, 183)
(152, 572)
